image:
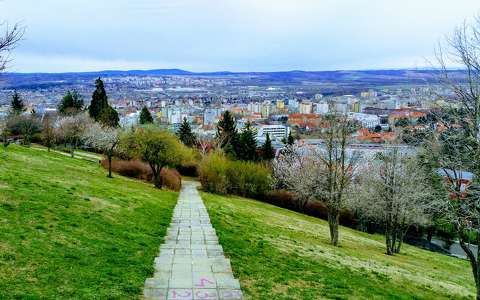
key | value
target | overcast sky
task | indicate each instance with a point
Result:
(234, 35)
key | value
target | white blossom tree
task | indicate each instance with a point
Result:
(104, 139)
(296, 170)
(321, 173)
(393, 190)
(70, 130)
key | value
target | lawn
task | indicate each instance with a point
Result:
(67, 231)
(280, 254)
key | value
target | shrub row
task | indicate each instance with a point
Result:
(140, 170)
(286, 199)
(220, 175)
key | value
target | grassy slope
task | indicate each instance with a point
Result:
(279, 254)
(67, 231)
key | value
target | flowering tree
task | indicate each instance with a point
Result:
(71, 129)
(104, 139)
(393, 190)
(321, 173)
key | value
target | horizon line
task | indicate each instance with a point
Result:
(188, 72)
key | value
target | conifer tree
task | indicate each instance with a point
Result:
(145, 116)
(185, 134)
(247, 144)
(267, 149)
(290, 139)
(99, 100)
(227, 134)
(17, 105)
(71, 104)
(109, 117)
(226, 128)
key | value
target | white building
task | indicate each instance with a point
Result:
(305, 107)
(254, 107)
(275, 131)
(293, 105)
(210, 116)
(321, 108)
(266, 109)
(367, 121)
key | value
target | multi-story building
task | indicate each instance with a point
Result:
(276, 131)
(210, 116)
(367, 120)
(321, 108)
(306, 107)
(266, 109)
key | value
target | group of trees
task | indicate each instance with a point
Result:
(241, 145)
(439, 185)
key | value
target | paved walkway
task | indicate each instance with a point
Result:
(191, 264)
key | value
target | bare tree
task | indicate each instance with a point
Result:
(393, 190)
(456, 148)
(323, 173)
(71, 129)
(8, 41)
(105, 139)
(48, 133)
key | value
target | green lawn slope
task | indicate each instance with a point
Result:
(280, 254)
(68, 232)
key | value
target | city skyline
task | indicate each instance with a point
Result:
(237, 36)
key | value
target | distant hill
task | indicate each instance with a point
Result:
(352, 78)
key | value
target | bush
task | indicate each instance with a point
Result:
(140, 170)
(171, 179)
(131, 168)
(286, 199)
(213, 173)
(220, 175)
(248, 179)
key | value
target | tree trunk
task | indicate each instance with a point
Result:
(333, 220)
(474, 262)
(109, 165)
(72, 148)
(430, 234)
(157, 179)
(389, 242)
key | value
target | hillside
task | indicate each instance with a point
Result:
(67, 231)
(280, 254)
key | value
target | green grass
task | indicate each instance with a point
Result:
(280, 254)
(68, 232)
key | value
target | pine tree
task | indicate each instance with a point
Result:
(99, 100)
(71, 104)
(185, 134)
(227, 133)
(109, 117)
(290, 139)
(267, 149)
(145, 116)
(247, 144)
(17, 105)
